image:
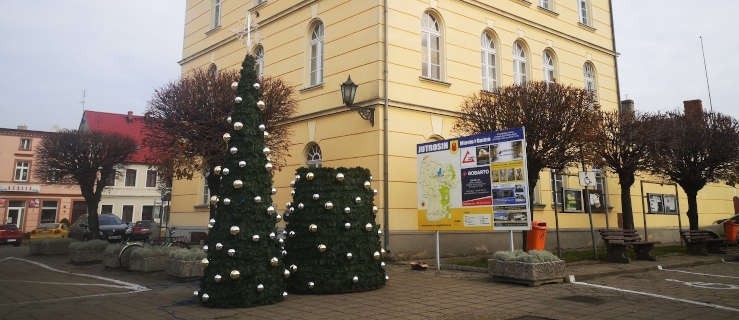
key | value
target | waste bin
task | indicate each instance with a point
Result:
(537, 236)
(730, 229)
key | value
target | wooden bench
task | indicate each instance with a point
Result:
(618, 240)
(702, 242)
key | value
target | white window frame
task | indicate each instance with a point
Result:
(148, 176)
(217, 6)
(489, 65)
(431, 35)
(520, 65)
(548, 66)
(588, 70)
(259, 60)
(313, 155)
(22, 170)
(547, 4)
(125, 179)
(583, 10)
(206, 192)
(316, 54)
(25, 144)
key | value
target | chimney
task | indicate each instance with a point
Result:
(693, 108)
(627, 106)
(129, 117)
(22, 127)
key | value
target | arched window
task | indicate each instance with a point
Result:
(431, 46)
(583, 8)
(316, 54)
(588, 71)
(520, 67)
(259, 63)
(489, 70)
(313, 156)
(548, 66)
(212, 71)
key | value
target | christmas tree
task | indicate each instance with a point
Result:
(244, 266)
(333, 241)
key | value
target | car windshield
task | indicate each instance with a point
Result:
(146, 223)
(47, 225)
(109, 219)
(8, 227)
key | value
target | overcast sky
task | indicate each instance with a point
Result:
(119, 52)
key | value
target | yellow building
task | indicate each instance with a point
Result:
(414, 62)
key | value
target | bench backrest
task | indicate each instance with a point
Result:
(625, 235)
(698, 235)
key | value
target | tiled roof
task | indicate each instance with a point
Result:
(125, 124)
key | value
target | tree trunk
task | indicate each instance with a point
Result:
(92, 218)
(626, 180)
(533, 176)
(692, 208)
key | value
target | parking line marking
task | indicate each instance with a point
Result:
(704, 304)
(132, 287)
(698, 273)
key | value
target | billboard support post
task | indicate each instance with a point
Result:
(438, 253)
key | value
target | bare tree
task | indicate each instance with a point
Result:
(560, 122)
(89, 159)
(693, 149)
(621, 145)
(186, 120)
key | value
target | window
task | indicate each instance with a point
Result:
(583, 7)
(127, 213)
(25, 144)
(216, 13)
(48, 211)
(316, 54)
(547, 4)
(110, 180)
(206, 192)
(151, 178)
(519, 64)
(53, 175)
(147, 213)
(106, 208)
(313, 155)
(558, 183)
(259, 65)
(548, 66)
(130, 178)
(588, 71)
(489, 72)
(21, 170)
(431, 47)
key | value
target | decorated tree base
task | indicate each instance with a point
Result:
(333, 241)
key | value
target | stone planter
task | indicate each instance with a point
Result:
(147, 264)
(531, 274)
(82, 256)
(184, 269)
(110, 257)
(49, 246)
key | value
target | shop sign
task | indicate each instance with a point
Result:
(13, 187)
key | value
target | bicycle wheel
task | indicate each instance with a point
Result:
(125, 252)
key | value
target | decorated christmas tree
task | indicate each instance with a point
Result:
(244, 266)
(333, 241)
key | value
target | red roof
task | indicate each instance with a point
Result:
(125, 124)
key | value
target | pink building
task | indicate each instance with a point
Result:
(24, 199)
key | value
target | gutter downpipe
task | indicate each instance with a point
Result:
(615, 54)
(385, 174)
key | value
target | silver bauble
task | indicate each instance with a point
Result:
(313, 228)
(355, 279)
(322, 247)
(347, 226)
(226, 137)
(225, 171)
(379, 232)
(210, 226)
(260, 287)
(367, 185)
(311, 284)
(274, 190)
(266, 150)
(347, 210)
(349, 256)
(374, 192)
(368, 226)
(297, 178)
(234, 85)
(292, 210)
(255, 238)
(291, 234)
(231, 252)
(272, 235)
(358, 200)
(204, 262)
(274, 261)
(217, 278)
(217, 170)
(226, 201)
(212, 221)
(256, 85)
(228, 119)
(371, 178)
(309, 176)
(238, 99)
(374, 209)
(235, 274)
(258, 199)
(376, 255)
(292, 192)
(301, 206)
(233, 150)
(238, 184)
(242, 164)
(383, 265)
(281, 241)
(340, 177)
(387, 277)
(213, 199)
(268, 166)
(284, 253)
(278, 218)
(316, 196)
(293, 268)
(260, 105)
(329, 205)
(205, 297)
(284, 294)
(286, 273)
(288, 204)
(196, 293)
(382, 251)
(219, 246)
(262, 127)
(238, 126)
(205, 248)
(271, 210)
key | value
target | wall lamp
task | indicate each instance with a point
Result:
(348, 92)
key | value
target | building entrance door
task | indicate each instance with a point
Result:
(15, 213)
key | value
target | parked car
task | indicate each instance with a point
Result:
(718, 225)
(145, 230)
(110, 227)
(9, 233)
(50, 230)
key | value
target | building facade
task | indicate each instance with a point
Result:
(414, 63)
(26, 200)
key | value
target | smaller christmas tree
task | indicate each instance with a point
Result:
(333, 240)
(244, 266)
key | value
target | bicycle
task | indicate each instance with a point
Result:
(169, 241)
